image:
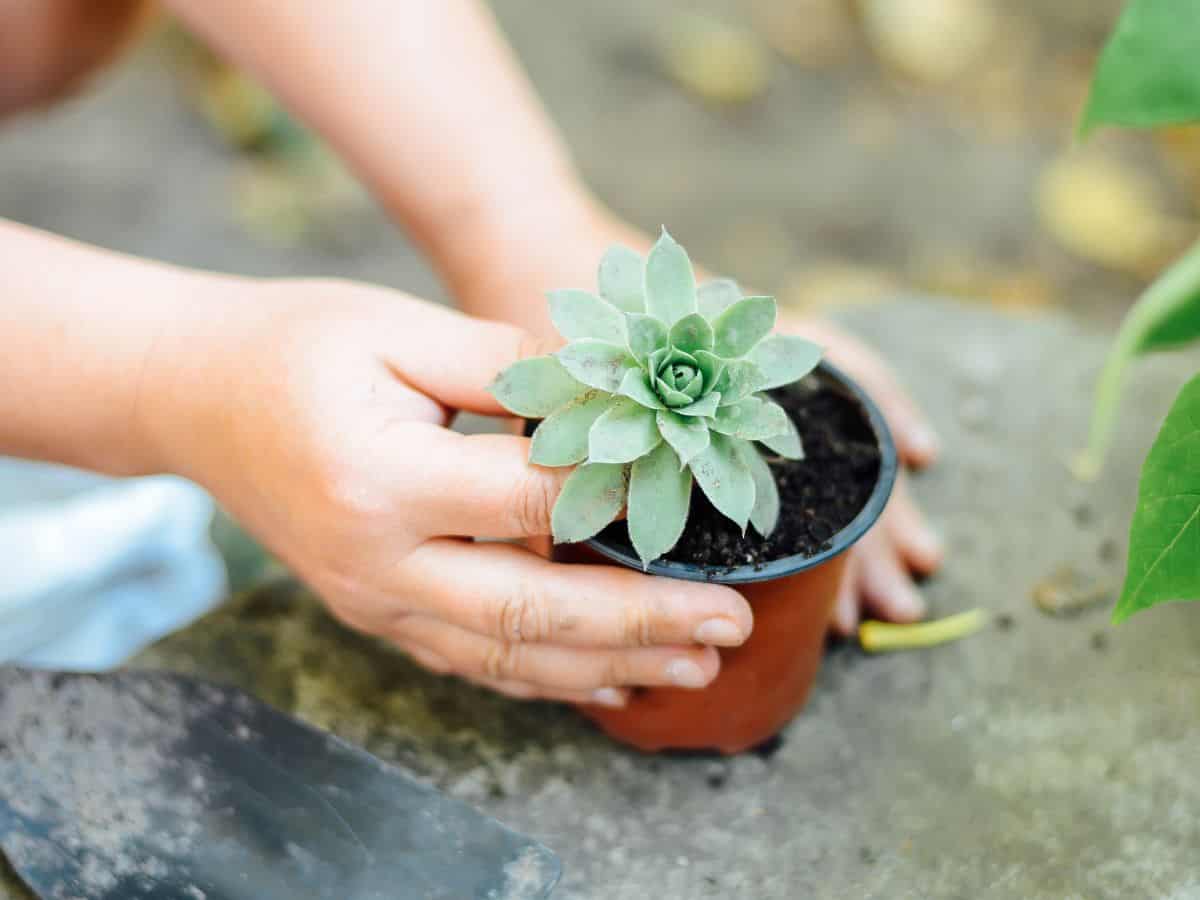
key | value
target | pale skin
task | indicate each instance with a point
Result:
(317, 411)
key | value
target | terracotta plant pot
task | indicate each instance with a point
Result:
(766, 681)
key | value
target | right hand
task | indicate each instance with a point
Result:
(318, 416)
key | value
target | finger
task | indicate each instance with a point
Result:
(558, 668)
(845, 607)
(614, 698)
(918, 545)
(506, 592)
(520, 690)
(453, 357)
(916, 440)
(887, 588)
(479, 485)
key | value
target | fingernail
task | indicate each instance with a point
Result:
(913, 604)
(685, 673)
(608, 697)
(929, 545)
(719, 633)
(923, 441)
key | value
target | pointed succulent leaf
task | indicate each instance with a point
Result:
(535, 387)
(753, 419)
(712, 366)
(597, 364)
(655, 360)
(621, 279)
(765, 514)
(740, 379)
(636, 386)
(625, 431)
(660, 491)
(706, 406)
(696, 386)
(714, 297)
(784, 358)
(687, 435)
(692, 333)
(591, 497)
(578, 314)
(670, 282)
(672, 398)
(725, 479)
(646, 334)
(743, 325)
(562, 438)
(788, 444)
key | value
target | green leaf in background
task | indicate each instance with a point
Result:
(660, 492)
(1164, 539)
(1167, 316)
(1149, 72)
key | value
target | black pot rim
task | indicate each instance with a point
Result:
(790, 565)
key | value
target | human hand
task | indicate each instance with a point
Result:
(316, 413)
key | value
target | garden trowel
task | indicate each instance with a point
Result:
(148, 786)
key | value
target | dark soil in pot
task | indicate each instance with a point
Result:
(819, 495)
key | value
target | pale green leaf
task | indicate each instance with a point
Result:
(752, 419)
(706, 406)
(622, 278)
(743, 325)
(597, 364)
(1148, 73)
(636, 386)
(725, 479)
(687, 435)
(672, 398)
(660, 492)
(784, 358)
(788, 444)
(692, 333)
(712, 366)
(740, 379)
(646, 335)
(624, 432)
(535, 387)
(1164, 539)
(714, 297)
(561, 439)
(670, 282)
(1166, 316)
(591, 498)
(694, 387)
(578, 315)
(765, 515)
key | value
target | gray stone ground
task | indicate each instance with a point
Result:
(1054, 757)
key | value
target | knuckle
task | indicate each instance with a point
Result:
(637, 623)
(532, 503)
(523, 615)
(502, 661)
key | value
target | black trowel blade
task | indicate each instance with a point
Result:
(148, 786)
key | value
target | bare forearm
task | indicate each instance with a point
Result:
(426, 101)
(77, 327)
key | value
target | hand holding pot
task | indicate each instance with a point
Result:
(322, 426)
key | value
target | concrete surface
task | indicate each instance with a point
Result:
(1047, 757)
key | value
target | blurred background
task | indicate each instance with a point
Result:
(829, 151)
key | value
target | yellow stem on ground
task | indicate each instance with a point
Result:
(879, 637)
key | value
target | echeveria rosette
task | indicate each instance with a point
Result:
(660, 384)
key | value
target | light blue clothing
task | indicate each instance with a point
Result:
(93, 569)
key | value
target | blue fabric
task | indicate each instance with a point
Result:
(94, 569)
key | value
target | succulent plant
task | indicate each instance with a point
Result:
(659, 385)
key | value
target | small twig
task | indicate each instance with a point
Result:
(878, 637)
